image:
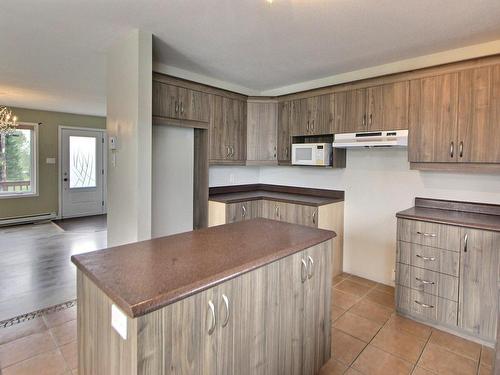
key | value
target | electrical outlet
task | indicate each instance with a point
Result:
(393, 275)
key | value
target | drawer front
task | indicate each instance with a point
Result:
(429, 258)
(429, 234)
(430, 282)
(426, 306)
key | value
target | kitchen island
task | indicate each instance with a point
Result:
(251, 297)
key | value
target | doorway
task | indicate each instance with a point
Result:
(82, 172)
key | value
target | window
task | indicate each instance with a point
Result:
(18, 163)
(82, 161)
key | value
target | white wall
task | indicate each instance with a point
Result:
(377, 184)
(231, 175)
(128, 118)
(173, 157)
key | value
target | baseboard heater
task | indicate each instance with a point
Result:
(27, 219)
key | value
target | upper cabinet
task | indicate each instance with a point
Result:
(179, 103)
(228, 130)
(262, 121)
(383, 107)
(454, 117)
(312, 116)
(283, 133)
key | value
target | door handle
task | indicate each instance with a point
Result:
(461, 149)
(303, 271)
(371, 119)
(314, 216)
(307, 127)
(310, 272)
(427, 234)
(424, 281)
(452, 149)
(243, 211)
(176, 106)
(466, 240)
(432, 259)
(424, 305)
(182, 108)
(211, 309)
(364, 120)
(65, 179)
(228, 313)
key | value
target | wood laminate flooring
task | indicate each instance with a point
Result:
(86, 224)
(35, 267)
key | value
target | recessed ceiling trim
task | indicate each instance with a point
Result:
(199, 78)
(444, 57)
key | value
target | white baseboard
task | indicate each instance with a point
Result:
(27, 219)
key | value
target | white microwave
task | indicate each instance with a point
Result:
(319, 154)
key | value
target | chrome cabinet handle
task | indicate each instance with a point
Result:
(228, 151)
(176, 107)
(286, 152)
(182, 108)
(277, 210)
(427, 282)
(228, 313)
(424, 305)
(466, 241)
(211, 309)
(427, 234)
(232, 151)
(312, 126)
(371, 119)
(314, 216)
(303, 271)
(307, 126)
(243, 211)
(364, 120)
(432, 259)
(461, 149)
(452, 149)
(310, 272)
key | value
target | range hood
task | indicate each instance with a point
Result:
(391, 138)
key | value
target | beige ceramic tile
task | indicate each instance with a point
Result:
(336, 312)
(337, 279)
(381, 298)
(345, 348)
(386, 289)
(399, 343)
(374, 361)
(49, 363)
(353, 371)
(357, 326)
(25, 347)
(421, 371)
(363, 281)
(485, 370)
(343, 300)
(410, 326)
(372, 311)
(333, 367)
(351, 287)
(26, 328)
(487, 356)
(65, 333)
(456, 344)
(70, 354)
(442, 361)
(60, 317)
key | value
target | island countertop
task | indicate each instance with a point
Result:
(144, 276)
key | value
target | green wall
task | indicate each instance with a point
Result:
(47, 201)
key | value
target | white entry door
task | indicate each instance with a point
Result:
(82, 172)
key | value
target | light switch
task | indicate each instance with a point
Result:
(119, 321)
(50, 160)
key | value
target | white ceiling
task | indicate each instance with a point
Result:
(53, 51)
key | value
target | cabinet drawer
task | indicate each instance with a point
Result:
(429, 234)
(430, 282)
(429, 258)
(426, 306)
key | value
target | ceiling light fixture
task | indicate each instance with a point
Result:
(8, 122)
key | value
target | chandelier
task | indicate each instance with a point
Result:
(8, 123)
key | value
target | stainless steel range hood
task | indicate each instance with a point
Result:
(391, 138)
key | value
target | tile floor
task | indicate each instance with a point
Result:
(367, 338)
(42, 346)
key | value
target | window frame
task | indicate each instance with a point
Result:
(34, 165)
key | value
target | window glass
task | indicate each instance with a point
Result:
(82, 162)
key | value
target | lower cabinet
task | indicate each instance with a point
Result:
(274, 320)
(454, 281)
(242, 211)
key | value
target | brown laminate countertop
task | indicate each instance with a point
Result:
(463, 214)
(145, 276)
(287, 194)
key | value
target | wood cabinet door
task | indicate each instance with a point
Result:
(388, 106)
(291, 302)
(237, 121)
(355, 118)
(317, 319)
(479, 271)
(228, 323)
(218, 130)
(191, 349)
(262, 120)
(272, 210)
(299, 117)
(479, 115)
(242, 211)
(165, 100)
(284, 140)
(299, 214)
(321, 112)
(194, 105)
(433, 119)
